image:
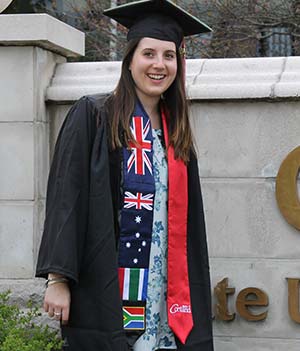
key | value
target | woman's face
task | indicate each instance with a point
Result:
(153, 67)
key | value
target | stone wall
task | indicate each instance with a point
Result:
(241, 145)
(31, 46)
(245, 117)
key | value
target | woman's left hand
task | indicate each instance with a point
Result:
(57, 301)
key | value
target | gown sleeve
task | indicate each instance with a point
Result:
(63, 240)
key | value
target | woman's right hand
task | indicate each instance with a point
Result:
(57, 301)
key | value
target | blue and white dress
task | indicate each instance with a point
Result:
(158, 334)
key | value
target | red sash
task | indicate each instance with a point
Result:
(180, 317)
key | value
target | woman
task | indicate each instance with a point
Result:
(124, 246)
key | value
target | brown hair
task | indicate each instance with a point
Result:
(121, 105)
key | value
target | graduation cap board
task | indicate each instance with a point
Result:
(158, 19)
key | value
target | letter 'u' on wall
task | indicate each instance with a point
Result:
(286, 188)
(293, 288)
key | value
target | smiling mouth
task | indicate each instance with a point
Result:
(156, 76)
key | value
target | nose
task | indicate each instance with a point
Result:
(159, 62)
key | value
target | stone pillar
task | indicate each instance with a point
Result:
(30, 48)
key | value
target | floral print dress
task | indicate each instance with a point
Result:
(158, 334)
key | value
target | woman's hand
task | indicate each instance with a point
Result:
(57, 300)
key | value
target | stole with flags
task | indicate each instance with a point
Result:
(136, 222)
(136, 232)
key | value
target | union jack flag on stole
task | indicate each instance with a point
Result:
(138, 200)
(139, 158)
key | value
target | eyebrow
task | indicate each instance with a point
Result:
(168, 50)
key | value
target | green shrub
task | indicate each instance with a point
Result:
(20, 331)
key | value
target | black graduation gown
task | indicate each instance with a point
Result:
(79, 239)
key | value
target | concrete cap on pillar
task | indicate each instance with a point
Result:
(41, 30)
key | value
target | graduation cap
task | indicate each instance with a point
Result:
(158, 19)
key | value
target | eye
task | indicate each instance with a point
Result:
(170, 55)
(148, 54)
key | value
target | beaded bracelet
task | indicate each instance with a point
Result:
(52, 281)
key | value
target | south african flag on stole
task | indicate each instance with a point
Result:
(133, 283)
(133, 317)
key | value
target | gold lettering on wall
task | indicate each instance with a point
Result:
(249, 300)
(221, 291)
(286, 188)
(251, 297)
(293, 289)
